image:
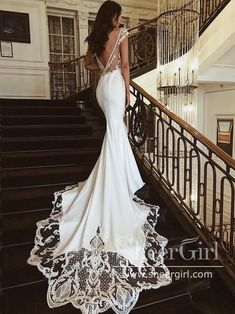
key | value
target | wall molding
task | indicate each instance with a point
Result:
(39, 88)
(23, 67)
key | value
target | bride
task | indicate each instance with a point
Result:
(99, 248)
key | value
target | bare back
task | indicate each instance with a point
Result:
(110, 58)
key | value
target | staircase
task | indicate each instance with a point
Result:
(45, 146)
(48, 144)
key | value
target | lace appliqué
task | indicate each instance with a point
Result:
(124, 33)
(94, 280)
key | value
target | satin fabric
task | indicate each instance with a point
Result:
(104, 200)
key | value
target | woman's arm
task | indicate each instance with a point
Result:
(89, 64)
(125, 68)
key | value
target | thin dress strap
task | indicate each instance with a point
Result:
(104, 68)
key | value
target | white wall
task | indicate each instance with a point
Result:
(148, 82)
(218, 100)
(26, 75)
(216, 44)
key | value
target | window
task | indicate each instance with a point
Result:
(61, 38)
(225, 135)
(91, 21)
(62, 45)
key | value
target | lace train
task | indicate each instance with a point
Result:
(95, 280)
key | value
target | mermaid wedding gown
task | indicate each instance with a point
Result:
(99, 247)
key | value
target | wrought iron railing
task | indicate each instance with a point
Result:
(209, 10)
(69, 78)
(198, 175)
(142, 46)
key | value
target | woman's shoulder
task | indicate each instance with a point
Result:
(123, 29)
(123, 33)
(119, 33)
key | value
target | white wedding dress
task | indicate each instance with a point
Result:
(99, 248)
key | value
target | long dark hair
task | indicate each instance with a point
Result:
(103, 25)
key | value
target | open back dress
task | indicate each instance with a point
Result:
(99, 247)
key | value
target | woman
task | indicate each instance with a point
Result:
(99, 247)
(109, 32)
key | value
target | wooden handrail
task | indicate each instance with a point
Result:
(142, 24)
(194, 173)
(196, 134)
(67, 62)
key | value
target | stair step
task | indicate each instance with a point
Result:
(13, 232)
(36, 102)
(30, 197)
(95, 119)
(28, 176)
(46, 142)
(42, 119)
(31, 299)
(17, 272)
(21, 227)
(149, 300)
(46, 164)
(41, 110)
(180, 304)
(53, 105)
(216, 300)
(89, 112)
(37, 292)
(48, 157)
(40, 130)
(97, 126)
(168, 226)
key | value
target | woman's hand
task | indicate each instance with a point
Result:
(127, 98)
(92, 67)
(90, 63)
